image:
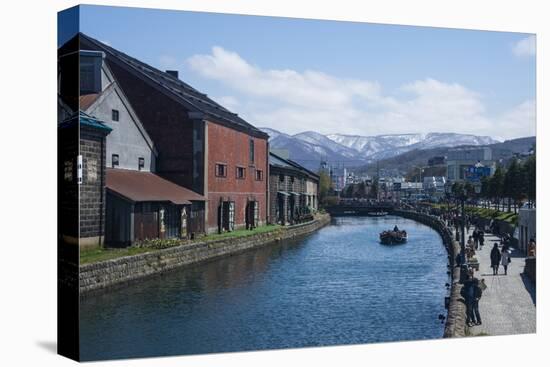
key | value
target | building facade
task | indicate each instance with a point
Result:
(527, 227)
(461, 160)
(293, 191)
(201, 145)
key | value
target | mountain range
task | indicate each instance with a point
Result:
(310, 148)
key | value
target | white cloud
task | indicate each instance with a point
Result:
(526, 46)
(293, 101)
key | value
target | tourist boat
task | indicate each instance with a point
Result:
(393, 237)
(377, 214)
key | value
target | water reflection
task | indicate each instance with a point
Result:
(337, 286)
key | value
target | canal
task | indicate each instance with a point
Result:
(336, 286)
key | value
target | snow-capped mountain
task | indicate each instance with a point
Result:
(314, 147)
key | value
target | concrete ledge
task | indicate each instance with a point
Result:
(455, 325)
(109, 273)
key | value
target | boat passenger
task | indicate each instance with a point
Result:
(396, 229)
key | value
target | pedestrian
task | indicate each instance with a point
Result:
(495, 258)
(471, 242)
(471, 294)
(475, 236)
(478, 291)
(531, 250)
(481, 238)
(505, 259)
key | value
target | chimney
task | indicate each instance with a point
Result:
(174, 73)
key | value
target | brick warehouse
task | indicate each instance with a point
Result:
(201, 145)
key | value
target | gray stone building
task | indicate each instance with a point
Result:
(293, 191)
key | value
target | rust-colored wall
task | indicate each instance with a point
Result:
(231, 147)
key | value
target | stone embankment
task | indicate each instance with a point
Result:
(455, 325)
(123, 270)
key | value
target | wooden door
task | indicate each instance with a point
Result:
(146, 225)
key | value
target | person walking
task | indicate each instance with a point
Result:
(481, 238)
(495, 258)
(505, 258)
(478, 291)
(531, 250)
(475, 236)
(471, 294)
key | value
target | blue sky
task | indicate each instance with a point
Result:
(295, 75)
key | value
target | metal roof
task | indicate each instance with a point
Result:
(139, 186)
(86, 120)
(192, 98)
(277, 161)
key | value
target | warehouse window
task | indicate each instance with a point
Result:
(221, 170)
(251, 150)
(241, 172)
(259, 175)
(114, 160)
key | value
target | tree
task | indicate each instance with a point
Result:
(513, 183)
(496, 183)
(362, 190)
(485, 188)
(529, 174)
(325, 185)
(374, 189)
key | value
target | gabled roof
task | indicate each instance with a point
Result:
(86, 100)
(278, 161)
(192, 99)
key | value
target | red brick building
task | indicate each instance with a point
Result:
(237, 178)
(201, 145)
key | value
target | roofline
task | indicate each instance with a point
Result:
(294, 165)
(177, 98)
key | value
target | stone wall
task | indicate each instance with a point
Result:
(455, 325)
(109, 273)
(92, 189)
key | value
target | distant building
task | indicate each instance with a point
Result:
(338, 177)
(293, 191)
(436, 161)
(462, 161)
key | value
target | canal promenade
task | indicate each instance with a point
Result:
(508, 304)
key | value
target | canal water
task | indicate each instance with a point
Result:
(336, 286)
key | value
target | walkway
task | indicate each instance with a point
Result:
(508, 305)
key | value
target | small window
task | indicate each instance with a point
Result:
(281, 178)
(115, 115)
(259, 175)
(114, 160)
(241, 172)
(141, 163)
(291, 179)
(221, 170)
(251, 150)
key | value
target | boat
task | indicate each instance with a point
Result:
(393, 237)
(377, 214)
